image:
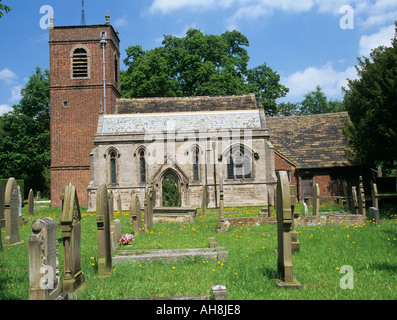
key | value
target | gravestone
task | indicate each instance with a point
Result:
(119, 205)
(345, 192)
(11, 201)
(44, 279)
(270, 202)
(103, 229)
(374, 195)
(354, 205)
(71, 233)
(38, 195)
(115, 232)
(373, 215)
(110, 204)
(221, 220)
(135, 213)
(31, 202)
(2, 218)
(316, 200)
(294, 235)
(361, 197)
(285, 276)
(19, 201)
(150, 194)
(204, 199)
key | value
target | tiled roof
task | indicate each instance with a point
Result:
(314, 141)
(186, 104)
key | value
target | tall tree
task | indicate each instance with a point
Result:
(4, 8)
(25, 147)
(199, 64)
(371, 101)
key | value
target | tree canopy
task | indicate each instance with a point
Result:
(198, 65)
(371, 101)
(4, 8)
(25, 135)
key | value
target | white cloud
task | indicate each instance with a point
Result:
(166, 6)
(7, 76)
(4, 108)
(330, 80)
(381, 38)
(15, 94)
(121, 22)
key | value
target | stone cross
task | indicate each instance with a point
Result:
(11, 201)
(31, 202)
(2, 219)
(135, 213)
(44, 279)
(316, 200)
(361, 197)
(221, 221)
(285, 276)
(71, 234)
(374, 195)
(354, 205)
(103, 229)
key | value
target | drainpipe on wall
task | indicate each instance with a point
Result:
(215, 191)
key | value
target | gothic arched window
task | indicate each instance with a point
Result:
(196, 152)
(239, 164)
(113, 167)
(142, 166)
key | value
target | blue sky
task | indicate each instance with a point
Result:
(307, 42)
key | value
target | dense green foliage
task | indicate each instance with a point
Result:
(170, 193)
(25, 138)
(199, 65)
(371, 101)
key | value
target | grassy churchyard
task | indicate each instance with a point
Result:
(370, 251)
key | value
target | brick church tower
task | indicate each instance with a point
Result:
(79, 88)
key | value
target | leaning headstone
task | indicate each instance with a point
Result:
(374, 195)
(31, 202)
(44, 279)
(2, 219)
(354, 205)
(285, 276)
(347, 207)
(103, 229)
(373, 215)
(221, 220)
(135, 213)
(11, 201)
(110, 204)
(115, 231)
(71, 233)
(361, 198)
(119, 206)
(316, 200)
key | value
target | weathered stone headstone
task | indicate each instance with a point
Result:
(44, 279)
(71, 234)
(316, 200)
(38, 197)
(354, 206)
(204, 199)
(285, 276)
(221, 220)
(135, 213)
(374, 195)
(115, 231)
(103, 229)
(19, 201)
(270, 202)
(31, 202)
(110, 204)
(294, 235)
(11, 201)
(2, 218)
(347, 205)
(119, 205)
(149, 205)
(380, 174)
(373, 215)
(361, 197)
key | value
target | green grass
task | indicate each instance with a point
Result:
(248, 274)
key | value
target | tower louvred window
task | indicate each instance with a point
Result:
(80, 63)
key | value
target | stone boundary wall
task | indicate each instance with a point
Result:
(345, 219)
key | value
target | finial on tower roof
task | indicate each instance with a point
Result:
(51, 26)
(107, 17)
